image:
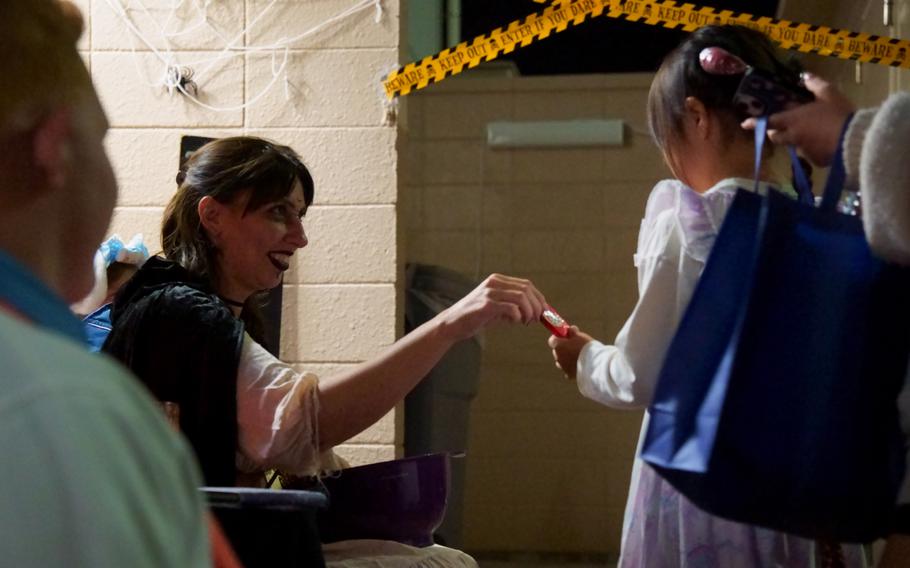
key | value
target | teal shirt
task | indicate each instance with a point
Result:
(91, 475)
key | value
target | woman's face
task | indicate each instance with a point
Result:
(255, 247)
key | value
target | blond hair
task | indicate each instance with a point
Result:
(38, 60)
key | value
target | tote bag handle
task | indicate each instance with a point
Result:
(838, 174)
(801, 180)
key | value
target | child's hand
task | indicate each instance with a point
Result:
(814, 127)
(566, 350)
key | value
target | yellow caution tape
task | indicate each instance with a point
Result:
(487, 47)
(561, 14)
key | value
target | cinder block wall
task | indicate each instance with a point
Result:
(547, 470)
(873, 83)
(341, 296)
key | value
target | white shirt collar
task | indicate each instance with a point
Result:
(733, 183)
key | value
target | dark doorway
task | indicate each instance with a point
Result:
(602, 45)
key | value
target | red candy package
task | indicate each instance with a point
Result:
(554, 322)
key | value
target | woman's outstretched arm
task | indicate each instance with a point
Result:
(352, 401)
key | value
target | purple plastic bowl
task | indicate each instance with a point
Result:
(402, 500)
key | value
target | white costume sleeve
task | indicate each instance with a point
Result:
(676, 236)
(277, 416)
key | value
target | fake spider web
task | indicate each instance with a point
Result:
(163, 26)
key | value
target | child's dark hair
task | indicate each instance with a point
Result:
(681, 76)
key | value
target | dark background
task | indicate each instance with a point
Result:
(601, 45)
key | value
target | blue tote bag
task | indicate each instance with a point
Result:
(776, 403)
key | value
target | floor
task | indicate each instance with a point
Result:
(529, 560)
(517, 564)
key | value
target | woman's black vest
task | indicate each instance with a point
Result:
(184, 344)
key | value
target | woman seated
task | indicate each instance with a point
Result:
(187, 323)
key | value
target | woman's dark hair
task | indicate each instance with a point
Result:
(225, 169)
(681, 76)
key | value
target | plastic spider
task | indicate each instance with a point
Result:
(182, 80)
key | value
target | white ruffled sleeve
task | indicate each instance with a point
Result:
(676, 236)
(277, 416)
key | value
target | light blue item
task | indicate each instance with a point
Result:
(115, 250)
(98, 321)
(97, 327)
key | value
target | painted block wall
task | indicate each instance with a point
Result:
(547, 470)
(872, 83)
(341, 295)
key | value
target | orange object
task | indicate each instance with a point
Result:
(223, 555)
